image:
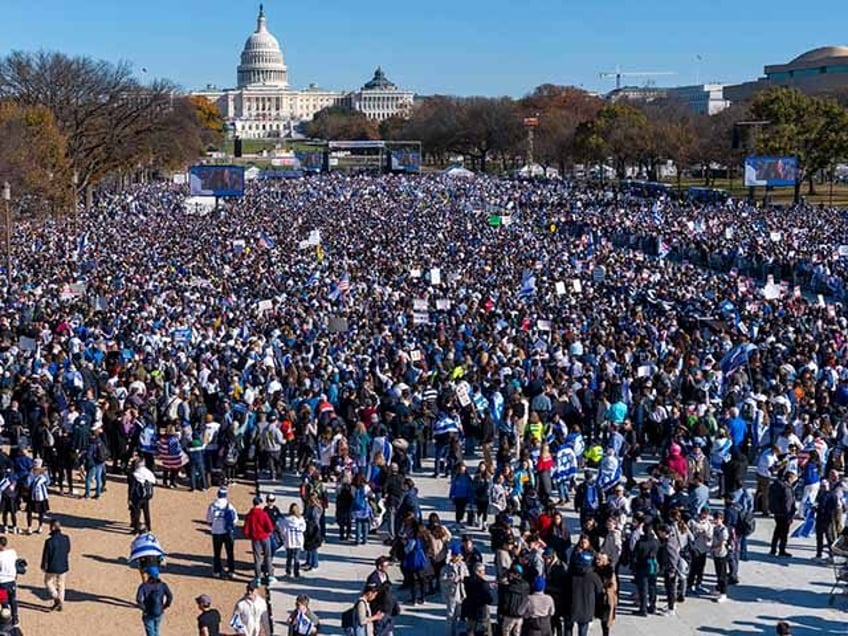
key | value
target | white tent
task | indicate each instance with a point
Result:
(535, 170)
(251, 173)
(458, 172)
(198, 205)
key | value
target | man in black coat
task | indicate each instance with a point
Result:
(478, 597)
(54, 564)
(781, 498)
(393, 490)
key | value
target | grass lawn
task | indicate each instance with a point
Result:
(778, 195)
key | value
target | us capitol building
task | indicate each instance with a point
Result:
(263, 105)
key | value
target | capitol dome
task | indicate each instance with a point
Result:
(262, 62)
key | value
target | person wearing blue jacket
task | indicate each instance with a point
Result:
(461, 491)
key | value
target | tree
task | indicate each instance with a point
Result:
(209, 119)
(619, 131)
(393, 128)
(436, 122)
(340, 124)
(673, 135)
(103, 112)
(561, 109)
(32, 157)
(488, 125)
(810, 128)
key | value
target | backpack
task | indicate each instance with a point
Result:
(747, 524)
(653, 566)
(513, 601)
(349, 619)
(101, 454)
(230, 519)
(142, 490)
(232, 455)
(47, 439)
(359, 500)
(267, 440)
(345, 496)
(591, 499)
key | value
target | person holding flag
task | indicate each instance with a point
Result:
(302, 620)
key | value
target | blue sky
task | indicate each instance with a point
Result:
(464, 47)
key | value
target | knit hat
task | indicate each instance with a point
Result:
(222, 493)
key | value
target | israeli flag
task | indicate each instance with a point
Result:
(736, 358)
(610, 473)
(302, 625)
(656, 214)
(444, 425)
(565, 467)
(312, 280)
(576, 442)
(145, 545)
(496, 405)
(806, 529)
(528, 286)
(480, 403)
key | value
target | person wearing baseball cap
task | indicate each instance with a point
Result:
(209, 619)
(222, 517)
(153, 598)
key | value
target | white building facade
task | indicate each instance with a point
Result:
(263, 105)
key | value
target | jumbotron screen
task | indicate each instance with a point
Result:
(216, 181)
(771, 171)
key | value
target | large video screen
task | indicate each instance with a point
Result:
(216, 181)
(405, 161)
(771, 171)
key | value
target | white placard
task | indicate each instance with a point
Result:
(420, 304)
(265, 305)
(443, 304)
(843, 250)
(462, 394)
(435, 276)
(415, 273)
(415, 355)
(560, 288)
(577, 286)
(776, 237)
(543, 325)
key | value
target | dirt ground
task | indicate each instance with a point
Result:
(101, 587)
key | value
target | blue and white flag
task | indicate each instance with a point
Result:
(480, 403)
(528, 286)
(496, 406)
(610, 473)
(312, 280)
(806, 529)
(301, 625)
(145, 545)
(736, 358)
(444, 425)
(656, 214)
(565, 466)
(82, 244)
(663, 248)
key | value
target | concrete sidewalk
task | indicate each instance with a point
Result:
(770, 589)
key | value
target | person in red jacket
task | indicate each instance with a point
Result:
(258, 527)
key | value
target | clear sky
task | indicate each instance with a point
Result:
(464, 47)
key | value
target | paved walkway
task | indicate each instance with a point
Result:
(770, 589)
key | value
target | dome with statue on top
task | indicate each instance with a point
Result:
(262, 62)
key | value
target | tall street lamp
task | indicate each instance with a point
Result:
(7, 197)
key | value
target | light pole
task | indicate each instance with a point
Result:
(7, 197)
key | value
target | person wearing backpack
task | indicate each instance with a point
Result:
(719, 550)
(646, 569)
(361, 510)
(512, 597)
(96, 457)
(139, 493)
(221, 516)
(358, 620)
(153, 597)
(344, 507)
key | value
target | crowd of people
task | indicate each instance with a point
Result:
(627, 355)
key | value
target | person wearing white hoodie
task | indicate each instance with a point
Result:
(221, 516)
(139, 493)
(294, 527)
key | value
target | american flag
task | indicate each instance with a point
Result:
(344, 283)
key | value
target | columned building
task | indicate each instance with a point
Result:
(263, 105)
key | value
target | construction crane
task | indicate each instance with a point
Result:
(618, 74)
